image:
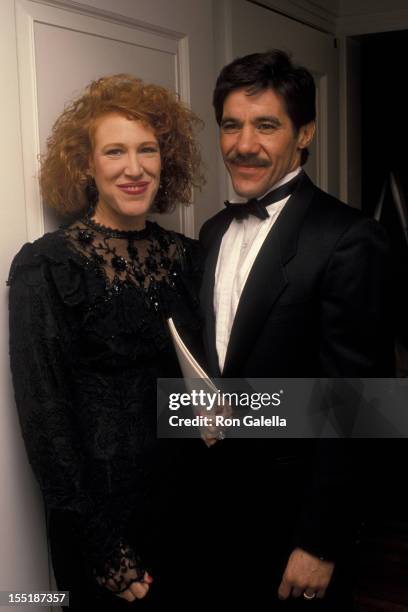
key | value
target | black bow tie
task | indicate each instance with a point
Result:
(257, 207)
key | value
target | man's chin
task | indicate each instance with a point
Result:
(248, 192)
(248, 188)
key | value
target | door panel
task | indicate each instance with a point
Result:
(79, 57)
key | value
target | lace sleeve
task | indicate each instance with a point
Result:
(39, 345)
(42, 393)
(120, 570)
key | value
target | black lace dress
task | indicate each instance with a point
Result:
(87, 341)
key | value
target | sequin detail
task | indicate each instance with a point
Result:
(144, 258)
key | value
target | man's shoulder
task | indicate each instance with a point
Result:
(330, 207)
(211, 227)
(331, 215)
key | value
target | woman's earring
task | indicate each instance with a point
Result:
(91, 191)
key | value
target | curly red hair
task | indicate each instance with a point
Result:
(64, 177)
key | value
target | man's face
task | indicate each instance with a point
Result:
(258, 141)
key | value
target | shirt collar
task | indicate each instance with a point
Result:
(288, 177)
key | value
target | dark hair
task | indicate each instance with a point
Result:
(275, 70)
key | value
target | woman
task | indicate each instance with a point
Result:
(88, 305)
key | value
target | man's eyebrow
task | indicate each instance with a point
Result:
(233, 119)
(268, 119)
(259, 119)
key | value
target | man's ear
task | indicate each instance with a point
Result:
(305, 135)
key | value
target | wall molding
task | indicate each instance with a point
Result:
(370, 23)
(317, 16)
(30, 129)
(305, 11)
(83, 9)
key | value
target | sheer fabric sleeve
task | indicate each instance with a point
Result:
(39, 356)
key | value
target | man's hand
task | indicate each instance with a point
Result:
(305, 573)
(212, 434)
(137, 590)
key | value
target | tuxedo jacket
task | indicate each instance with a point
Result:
(316, 304)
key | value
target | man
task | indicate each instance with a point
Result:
(294, 286)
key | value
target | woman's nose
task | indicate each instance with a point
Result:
(133, 166)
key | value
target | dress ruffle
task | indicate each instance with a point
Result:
(51, 255)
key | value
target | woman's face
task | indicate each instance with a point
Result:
(125, 163)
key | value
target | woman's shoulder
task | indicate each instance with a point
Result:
(43, 259)
(187, 243)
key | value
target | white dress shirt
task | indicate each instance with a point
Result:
(240, 246)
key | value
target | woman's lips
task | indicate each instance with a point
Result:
(134, 188)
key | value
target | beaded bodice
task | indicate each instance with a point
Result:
(142, 258)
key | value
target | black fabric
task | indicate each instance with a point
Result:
(88, 339)
(317, 303)
(258, 207)
(243, 211)
(254, 504)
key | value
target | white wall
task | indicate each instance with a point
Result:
(23, 563)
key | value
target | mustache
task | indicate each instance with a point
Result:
(248, 160)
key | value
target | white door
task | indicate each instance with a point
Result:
(49, 51)
(252, 28)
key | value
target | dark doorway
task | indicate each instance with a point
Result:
(384, 126)
(383, 567)
(384, 111)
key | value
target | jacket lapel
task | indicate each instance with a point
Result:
(267, 279)
(207, 295)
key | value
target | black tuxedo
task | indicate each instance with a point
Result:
(315, 304)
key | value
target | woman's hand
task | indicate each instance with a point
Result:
(124, 576)
(137, 590)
